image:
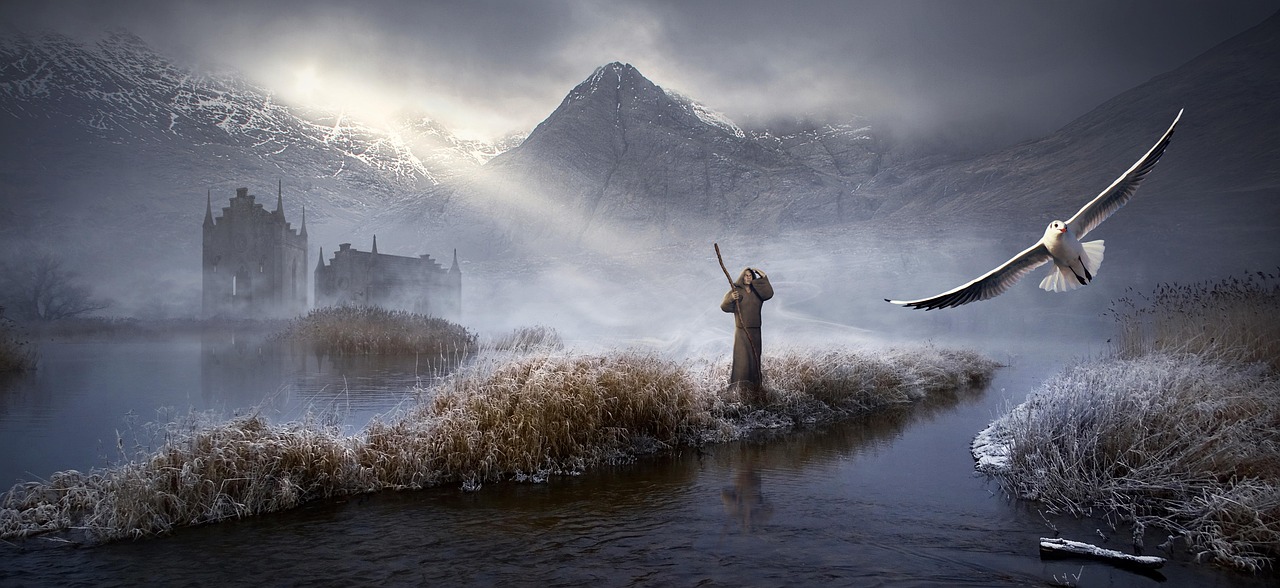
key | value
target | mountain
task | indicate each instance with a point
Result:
(1215, 193)
(111, 147)
(623, 156)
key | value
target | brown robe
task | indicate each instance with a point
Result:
(746, 336)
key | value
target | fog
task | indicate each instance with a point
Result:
(982, 73)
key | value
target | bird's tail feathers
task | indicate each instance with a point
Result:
(1060, 279)
(1093, 256)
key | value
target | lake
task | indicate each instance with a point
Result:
(889, 498)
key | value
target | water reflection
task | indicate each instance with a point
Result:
(744, 500)
(290, 378)
(779, 457)
(90, 398)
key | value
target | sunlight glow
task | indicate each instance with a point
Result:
(306, 82)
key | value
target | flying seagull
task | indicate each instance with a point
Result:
(1074, 263)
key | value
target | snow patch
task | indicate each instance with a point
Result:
(706, 115)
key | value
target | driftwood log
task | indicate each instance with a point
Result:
(1057, 548)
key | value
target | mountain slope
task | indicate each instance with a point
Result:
(621, 155)
(110, 147)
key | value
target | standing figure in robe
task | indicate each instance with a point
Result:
(745, 301)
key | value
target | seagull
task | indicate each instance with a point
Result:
(1074, 263)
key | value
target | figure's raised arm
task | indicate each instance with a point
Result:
(762, 285)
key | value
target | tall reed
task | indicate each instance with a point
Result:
(1232, 320)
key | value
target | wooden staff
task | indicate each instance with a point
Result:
(737, 312)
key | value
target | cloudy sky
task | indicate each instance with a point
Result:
(1006, 69)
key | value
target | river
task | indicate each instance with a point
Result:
(885, 499)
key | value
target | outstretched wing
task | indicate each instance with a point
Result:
(990, 285)
(1119, 192)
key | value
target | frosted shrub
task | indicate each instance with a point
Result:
(1180, 430)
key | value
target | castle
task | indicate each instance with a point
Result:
(254, 261)
(368, 278)
(255, 267)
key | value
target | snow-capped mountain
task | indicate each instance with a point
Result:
(120, 86)
(624, 156)
(109, 146)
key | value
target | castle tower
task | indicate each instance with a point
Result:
(254, 261)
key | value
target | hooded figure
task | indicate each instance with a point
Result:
(745, 300)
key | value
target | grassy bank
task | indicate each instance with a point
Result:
(370, 330)
(507, 417)
(1179, 429)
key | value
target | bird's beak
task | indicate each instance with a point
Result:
(1062, 230)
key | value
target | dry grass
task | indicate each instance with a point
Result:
(1180, 431)
(542, 414)
(1233, 320)
(848, 380)
(371, 330)
(522, 417)
(204, 474)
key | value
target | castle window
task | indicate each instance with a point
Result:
(233, 285)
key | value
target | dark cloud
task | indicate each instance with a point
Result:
(1012, 69)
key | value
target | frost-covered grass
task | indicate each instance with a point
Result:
(366, 330)
(506, 417)
(1180, 430)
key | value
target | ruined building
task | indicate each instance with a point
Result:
(368, 278)
(254, 261)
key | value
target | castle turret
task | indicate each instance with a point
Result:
(208, 210)
(375, 244)
(279, 198)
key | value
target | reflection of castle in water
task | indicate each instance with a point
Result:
(240, 370)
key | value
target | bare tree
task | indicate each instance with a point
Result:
(42, 289)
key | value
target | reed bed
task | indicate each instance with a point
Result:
(1232, 320)
(372, 330)
(521, 417)
(1178, 430)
